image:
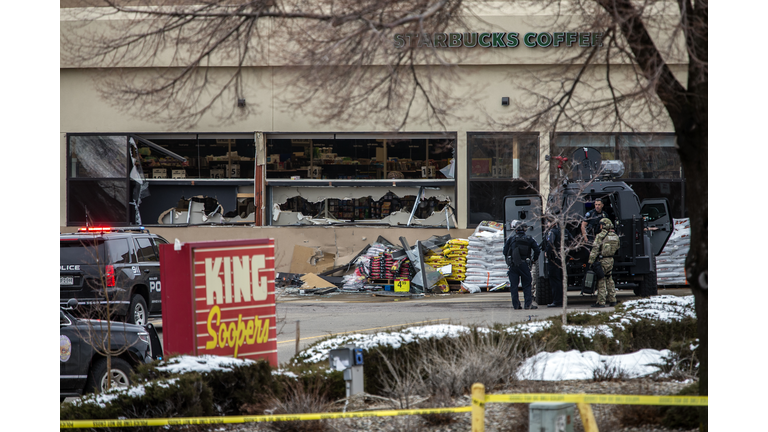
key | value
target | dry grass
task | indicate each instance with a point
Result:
(448, 367)
(298, 398)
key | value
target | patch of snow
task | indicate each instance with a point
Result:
(663, 307)
(319, 352)
(575, 365)
(202, 364)
(589, 331)
(285, 373)
(529, 328)
(102, 399)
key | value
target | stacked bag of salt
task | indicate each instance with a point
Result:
(485, 259)
(670, 264)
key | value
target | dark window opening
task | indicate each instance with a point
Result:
(500, 164)
(364, 158)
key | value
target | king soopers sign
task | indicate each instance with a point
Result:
(498, 39)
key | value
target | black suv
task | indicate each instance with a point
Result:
(643, 227)
(82, 351)
(121, 265)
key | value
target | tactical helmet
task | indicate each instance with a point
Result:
(521, 227)
(606, 223)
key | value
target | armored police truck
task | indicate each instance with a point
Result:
(643, 227)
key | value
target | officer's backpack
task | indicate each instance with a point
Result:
(610, 245)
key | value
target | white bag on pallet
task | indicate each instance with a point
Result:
(670, 264)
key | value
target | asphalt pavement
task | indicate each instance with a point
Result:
(324, 316)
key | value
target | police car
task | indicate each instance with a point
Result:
(82, 350)
(116, 265)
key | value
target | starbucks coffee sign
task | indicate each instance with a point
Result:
(498, 40)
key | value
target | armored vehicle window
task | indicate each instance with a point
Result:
(81, 251)
(146, 250)
(653, 212)
(119, 251)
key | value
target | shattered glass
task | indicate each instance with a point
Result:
(98, 156)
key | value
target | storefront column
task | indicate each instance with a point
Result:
(259, 183)
(544, 166)
(462, 175)
(516, 157)
(63, 180)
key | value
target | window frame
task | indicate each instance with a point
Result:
(72, 182)
(512, 182)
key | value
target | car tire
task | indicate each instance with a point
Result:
(120, 375)
(543, 295)
(137, 312)
(648, 287)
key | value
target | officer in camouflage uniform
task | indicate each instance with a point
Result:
(605, 246)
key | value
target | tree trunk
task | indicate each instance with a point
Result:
(693, 154)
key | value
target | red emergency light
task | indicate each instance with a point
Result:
(95, 229)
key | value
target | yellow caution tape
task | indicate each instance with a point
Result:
(600, 399)
(509, 398)
(71, 424)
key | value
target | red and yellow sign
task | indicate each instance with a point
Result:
(231, 290)
(235, 301)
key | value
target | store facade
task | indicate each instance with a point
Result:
(280, 166)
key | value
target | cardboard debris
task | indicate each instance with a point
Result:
(312, 280)
(310, 260)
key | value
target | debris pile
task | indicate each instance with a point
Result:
(382, 261)
(432, 265)
(670, 264)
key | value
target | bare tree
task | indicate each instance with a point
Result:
(563, 213)
(100, 332)
(160, 57)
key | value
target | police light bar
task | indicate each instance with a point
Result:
(95, 229)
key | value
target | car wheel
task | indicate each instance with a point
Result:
(648, 287)
(137, 313)
(118, 376)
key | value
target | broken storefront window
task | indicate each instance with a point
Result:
(388, 209)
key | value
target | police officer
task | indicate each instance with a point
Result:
(517, 249)
(605, 246)
(551, 247)
(589, 227)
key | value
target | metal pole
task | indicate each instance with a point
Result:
(587, 417)
(298, 336)
(478, 407)
(415, 204)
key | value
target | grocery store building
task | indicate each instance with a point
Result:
(336, 186)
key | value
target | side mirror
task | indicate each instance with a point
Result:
(72, 303)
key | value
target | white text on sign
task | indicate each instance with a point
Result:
(241, 279)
